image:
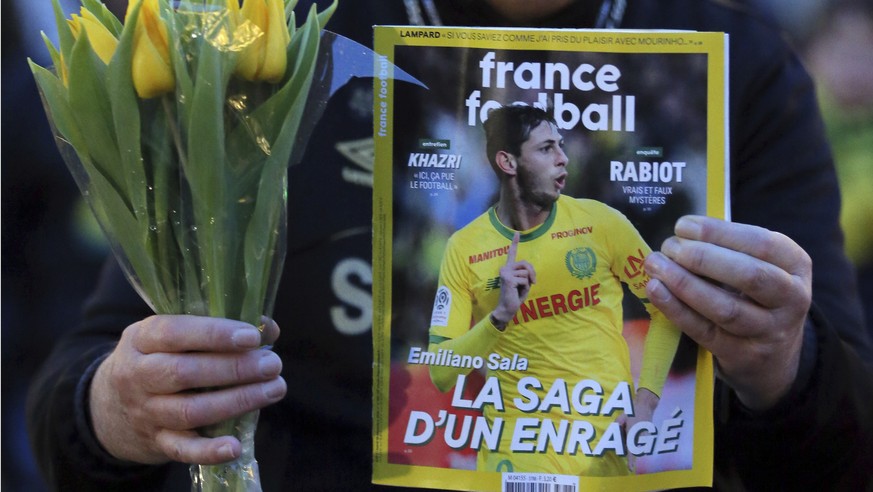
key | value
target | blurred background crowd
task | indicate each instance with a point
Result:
(52, 248)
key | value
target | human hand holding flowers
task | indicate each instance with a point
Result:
(179, 125)
(148, 398)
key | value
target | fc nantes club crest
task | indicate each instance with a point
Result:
(581, 262)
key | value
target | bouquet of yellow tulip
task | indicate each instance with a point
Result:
(178, 125)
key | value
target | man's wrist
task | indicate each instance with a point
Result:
(803, 376)
(92, 455)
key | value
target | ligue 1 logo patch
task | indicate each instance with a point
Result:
(441, 307)
(581, 262)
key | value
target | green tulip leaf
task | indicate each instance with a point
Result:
(124, 106)
(65, 35)
(204, 170)
(89, 101)
(325, 15)
(53, 53)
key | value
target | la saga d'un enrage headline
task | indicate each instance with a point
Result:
(585, 398)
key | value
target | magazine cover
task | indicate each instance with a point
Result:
(518, 190)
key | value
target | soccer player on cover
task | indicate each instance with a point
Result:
(539, 276)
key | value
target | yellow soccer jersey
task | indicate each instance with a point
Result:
(565, 343)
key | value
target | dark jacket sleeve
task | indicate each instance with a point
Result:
(819, 437)
(66, 450)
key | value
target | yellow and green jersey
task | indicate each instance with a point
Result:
(568, 330)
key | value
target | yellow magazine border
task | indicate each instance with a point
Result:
(714, 45)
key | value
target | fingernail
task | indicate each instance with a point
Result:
(274, 389)
(657, 291)
(247, 338)
(688, 226)
(671, 247)
(226, 452)
(270, 364)
(654, 264)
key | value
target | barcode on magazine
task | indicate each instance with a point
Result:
(539, 482)
(538, 487)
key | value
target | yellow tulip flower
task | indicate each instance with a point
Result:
(103, 42)
(265, 57)
(152, 71)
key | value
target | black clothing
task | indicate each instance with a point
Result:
(318, 437)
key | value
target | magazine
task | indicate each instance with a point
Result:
(518, 189)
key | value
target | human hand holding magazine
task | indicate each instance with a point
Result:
(515, 348)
